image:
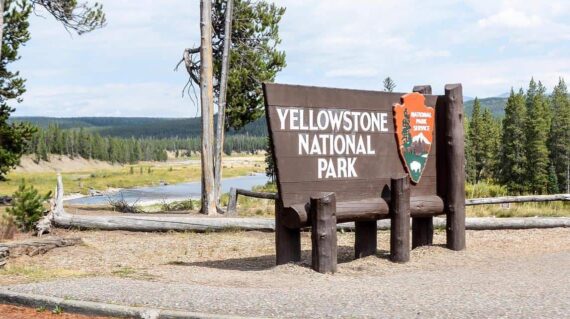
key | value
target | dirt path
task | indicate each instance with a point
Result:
(514, 274)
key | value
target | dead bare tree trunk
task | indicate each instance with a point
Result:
(1, 25)
(222, 103)
(207, 105)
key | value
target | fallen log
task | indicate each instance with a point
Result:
(38, 246)
(517, 199)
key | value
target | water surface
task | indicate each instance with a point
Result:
(169, 192)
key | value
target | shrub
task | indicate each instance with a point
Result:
(178, 206)
(27, 206)
(122, 206)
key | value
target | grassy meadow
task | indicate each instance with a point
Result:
(81, 179)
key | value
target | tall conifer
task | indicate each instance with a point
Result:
(559, 139)
(537, 132)
(513, 161)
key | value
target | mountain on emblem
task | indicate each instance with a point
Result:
(414, 123)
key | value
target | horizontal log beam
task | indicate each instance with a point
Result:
(364, 210)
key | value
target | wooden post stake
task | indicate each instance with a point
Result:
(422, 227)
(400, 215)
(232, 203)
(366, 238)
(455, 161)
(323, 233)
(287, 240)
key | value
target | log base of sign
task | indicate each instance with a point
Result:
(455, 160)
(422, 231)
(287, 240)
(366, 234)
(400, 216)
(323, 233)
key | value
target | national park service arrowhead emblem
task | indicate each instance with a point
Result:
(414, 124)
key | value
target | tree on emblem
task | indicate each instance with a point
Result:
(406, 136)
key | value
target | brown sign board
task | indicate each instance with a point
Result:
(339, 140)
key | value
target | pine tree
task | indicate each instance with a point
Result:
(559, 139)
(475, 127)
(537, 132)
(552, 180)
(14, 137)
(469, 162)
(490, 139)
(513, 160)
(389, 84)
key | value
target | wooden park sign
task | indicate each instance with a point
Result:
(345, 155)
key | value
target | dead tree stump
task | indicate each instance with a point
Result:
(366, 238)
(323, 233)
(400, 215)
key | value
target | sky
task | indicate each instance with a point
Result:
(127, 68)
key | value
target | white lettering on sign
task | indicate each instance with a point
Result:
(336, 136)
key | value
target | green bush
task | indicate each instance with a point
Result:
(27, 206)
(184, 205)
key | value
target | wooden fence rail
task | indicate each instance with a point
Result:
(234, 192)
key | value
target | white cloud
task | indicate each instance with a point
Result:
(126, 68)
(510, 18)
(111, 99)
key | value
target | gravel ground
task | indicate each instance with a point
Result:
(512, 274)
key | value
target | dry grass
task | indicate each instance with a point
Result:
(247, 259)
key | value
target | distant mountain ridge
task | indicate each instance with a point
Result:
(149, 127)
(139, 127)
(495, 104)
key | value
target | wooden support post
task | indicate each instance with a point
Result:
(366, 237)
(232, 203)
(455, 161)
(422, 227)
(400, 216)
(323, 233)
(287, 240)
(422, 231)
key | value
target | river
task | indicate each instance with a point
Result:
(153, 194)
